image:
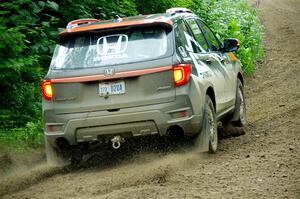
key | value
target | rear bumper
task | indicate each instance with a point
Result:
(128, 122)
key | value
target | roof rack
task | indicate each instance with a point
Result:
(173, 11)
(78, 22)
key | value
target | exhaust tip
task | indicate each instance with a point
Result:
(175, 131)
(63, 144)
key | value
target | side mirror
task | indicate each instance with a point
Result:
(231, 45)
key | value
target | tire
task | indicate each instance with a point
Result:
(211, 124)
(207, 139)
(54, 157)
(240, 107)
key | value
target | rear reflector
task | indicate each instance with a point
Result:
(54, 128)
(179, 114)
(47, 90)
(181, 74)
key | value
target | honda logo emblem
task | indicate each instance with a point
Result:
(108, 72)
(112, 44)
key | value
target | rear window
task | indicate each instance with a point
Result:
(96, 50)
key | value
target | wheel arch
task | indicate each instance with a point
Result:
(241, 78)
(211, 93)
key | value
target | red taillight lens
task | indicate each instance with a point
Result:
(47, 89)
(181, 74)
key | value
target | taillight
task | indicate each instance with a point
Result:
(181, 74)
(47, 89)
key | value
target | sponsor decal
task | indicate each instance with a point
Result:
(112, 44)
(112, 47)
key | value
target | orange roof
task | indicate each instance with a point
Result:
(130, 21)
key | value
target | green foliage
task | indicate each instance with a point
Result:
(28, 33)
(154, 6)
(27, 39)
(99, 9)
(19, 139)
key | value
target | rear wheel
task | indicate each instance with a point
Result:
(207, 139)
(240, 107)
(211, 124)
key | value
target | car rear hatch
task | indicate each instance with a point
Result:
(112, 70)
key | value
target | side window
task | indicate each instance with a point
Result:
(198, 35)
(187, 38)
(185, 43)
(180, 39)
(214, 42)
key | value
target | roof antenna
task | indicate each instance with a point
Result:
(118, 18)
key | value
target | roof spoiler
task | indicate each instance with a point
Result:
(78, 22)
(74, 26)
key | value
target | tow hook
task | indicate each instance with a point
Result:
(116, 141)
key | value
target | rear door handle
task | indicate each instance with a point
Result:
(222, 60)
(209, 60)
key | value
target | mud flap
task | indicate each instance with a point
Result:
(53, 156)
(202, 140)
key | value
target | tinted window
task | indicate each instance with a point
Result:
(198, 35)
(215, 45)
(96, 50)
(181, 39)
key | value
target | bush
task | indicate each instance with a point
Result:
(20, 139)
(26, 44)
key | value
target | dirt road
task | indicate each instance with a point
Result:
(264, 163)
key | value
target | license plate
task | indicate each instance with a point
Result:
(112, 88)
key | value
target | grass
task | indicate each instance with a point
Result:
(20, 140)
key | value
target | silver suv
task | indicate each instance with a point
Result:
(160, 74)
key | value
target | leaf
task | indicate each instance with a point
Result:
(54, 6)
(3, 12)
(42, 4)
(45, 23)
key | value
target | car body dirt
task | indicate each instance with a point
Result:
(138, 76)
